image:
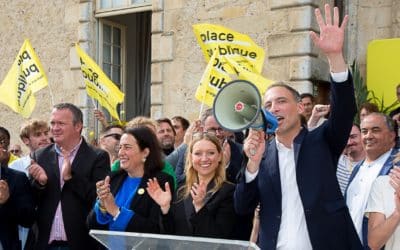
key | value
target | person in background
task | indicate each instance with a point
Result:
(166, 135)
(16, 149)
(367, 108)
(352, 154)
(123, 203)
(8, 157)
(16, 203)
(109, 141)
(204, 204)
(99, 115)
(64, 176)
(383, 211)
(308, 102)
(35, 135)
(180, 125)
(318, 115)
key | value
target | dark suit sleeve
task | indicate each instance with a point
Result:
(343, 109)
(20, 206)
(147, 215)
(217, 217)
(85, 188)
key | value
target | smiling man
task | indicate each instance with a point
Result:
(377, 139)
(64, 180)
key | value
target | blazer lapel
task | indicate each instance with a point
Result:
(272, 169)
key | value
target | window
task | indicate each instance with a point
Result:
(125, 56)
(113, 7)
(112, 53)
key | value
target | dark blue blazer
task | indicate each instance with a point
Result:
(384, 171)
(316, 155)
(19, 209)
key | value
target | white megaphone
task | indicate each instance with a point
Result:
(237, 106)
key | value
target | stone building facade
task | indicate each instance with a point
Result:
(174, 60)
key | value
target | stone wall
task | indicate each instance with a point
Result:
(51, 27)
(280, 27)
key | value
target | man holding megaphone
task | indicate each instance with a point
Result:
(293, 177)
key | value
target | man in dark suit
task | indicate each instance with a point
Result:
(64, 180)
(16, 202)
(293, 176)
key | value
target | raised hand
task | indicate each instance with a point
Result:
(162, 198)
(331, 38)
(198, 193)
(254, 147)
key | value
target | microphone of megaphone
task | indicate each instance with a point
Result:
(237, 106)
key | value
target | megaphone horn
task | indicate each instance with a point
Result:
(237, 106)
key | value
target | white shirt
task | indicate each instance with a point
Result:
(381, 200)
(293, 232)
(21, 164)
(359, 189)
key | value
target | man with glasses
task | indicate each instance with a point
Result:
(109, 141)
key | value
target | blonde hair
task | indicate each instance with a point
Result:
(140, 121)
(191, 174)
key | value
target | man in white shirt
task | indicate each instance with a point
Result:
(377, 136)
(293, 176)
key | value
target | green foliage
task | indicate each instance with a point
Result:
(363, 95)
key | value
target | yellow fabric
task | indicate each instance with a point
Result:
(230, 55)
(25, 78)
(12, 158)
(98, 85)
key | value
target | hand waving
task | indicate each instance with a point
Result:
(162, 198)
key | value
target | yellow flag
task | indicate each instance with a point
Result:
(229, 43)
(98, 85)
(25, 78)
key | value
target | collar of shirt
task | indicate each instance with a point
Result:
(73, 151)
(379, 161)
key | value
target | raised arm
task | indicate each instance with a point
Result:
(331, 38)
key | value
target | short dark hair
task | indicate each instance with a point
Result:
(108, 128)
(185, 123)
(145, 138)
(206, 113)
(5, 131)
(370, 107)
(307, 95)
(294, 92)
(166, 120)
(76, 112)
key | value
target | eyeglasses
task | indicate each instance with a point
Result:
(115, 136)
(15, 151)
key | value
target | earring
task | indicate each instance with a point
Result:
(144, 159)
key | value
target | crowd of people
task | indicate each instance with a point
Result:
(319, 182)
